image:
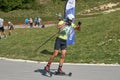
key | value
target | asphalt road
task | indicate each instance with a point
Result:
(17, 70)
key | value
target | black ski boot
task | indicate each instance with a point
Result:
(59, 71)
(47, 69)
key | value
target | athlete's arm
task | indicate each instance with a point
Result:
(61, 24)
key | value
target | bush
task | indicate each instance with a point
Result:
(8, 5)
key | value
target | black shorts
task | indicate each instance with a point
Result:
(2, 29)
(60, 44)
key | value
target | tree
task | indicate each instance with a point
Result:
(8, 5)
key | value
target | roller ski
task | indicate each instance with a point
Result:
(61, 73)
(47, 70)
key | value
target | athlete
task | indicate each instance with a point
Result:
(60, 42)
(2, 30)
(10, 27)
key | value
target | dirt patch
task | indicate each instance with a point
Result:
(101, 8)
(43, 1)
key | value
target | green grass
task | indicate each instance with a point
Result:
(48, 10)
(97, 42)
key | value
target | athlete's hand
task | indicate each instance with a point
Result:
(78, 28)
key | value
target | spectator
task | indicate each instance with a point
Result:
(38, 21)
(26, 22)
(59, 15)
(31, 22)
(35, 21)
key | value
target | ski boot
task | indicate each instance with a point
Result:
(47, 70)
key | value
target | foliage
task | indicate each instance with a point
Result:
(8, 5)
(46, 9)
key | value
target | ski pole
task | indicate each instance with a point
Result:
(45, 42)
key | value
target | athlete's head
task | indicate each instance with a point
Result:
(70, 18)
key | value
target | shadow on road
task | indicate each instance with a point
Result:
(44, 73)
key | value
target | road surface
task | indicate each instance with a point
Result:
(22, 70)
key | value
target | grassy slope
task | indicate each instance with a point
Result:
(98, 42)
(48, 10)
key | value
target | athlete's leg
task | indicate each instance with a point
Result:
(55, 53)
(51, 59)
(61, 61)
(53, 56)
(63, 53)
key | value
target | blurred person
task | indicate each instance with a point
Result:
(35, 22)
(2, 30)
(10, 27)
(31, 22)
(38, 21)
(26, 22)
(59, 15)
